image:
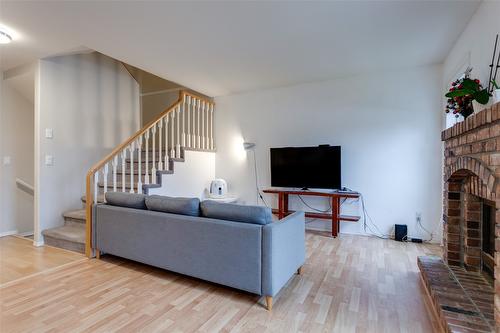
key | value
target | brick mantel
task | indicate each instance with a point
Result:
(471, 176)
(474, 122)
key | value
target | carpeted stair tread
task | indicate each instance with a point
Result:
(73, 233)
(136, 161)
(75, 215)
(100, 198)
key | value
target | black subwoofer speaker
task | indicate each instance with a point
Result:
(400, 232)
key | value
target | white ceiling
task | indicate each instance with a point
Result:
(220, 48)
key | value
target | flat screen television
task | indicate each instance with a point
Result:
(306, 167)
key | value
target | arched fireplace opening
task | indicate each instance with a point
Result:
(470, 224)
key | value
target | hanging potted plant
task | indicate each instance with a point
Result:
(466, 95)
(496, 91)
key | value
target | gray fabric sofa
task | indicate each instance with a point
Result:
(259, 256)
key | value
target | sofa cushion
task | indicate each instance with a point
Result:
(235, 212)
(173, 205)
(124, 199)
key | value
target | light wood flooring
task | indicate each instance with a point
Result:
(349, 284)
(20, 259)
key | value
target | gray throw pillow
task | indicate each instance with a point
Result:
(235, 212)
(181, 206)
(124, 199)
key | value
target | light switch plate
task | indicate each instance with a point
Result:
(49, 133)
(49, 160)
(7, 160)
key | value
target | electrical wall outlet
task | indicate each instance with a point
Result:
(49, 133)
(7, 160)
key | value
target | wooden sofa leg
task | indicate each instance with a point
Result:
(299, 271)
(269, 302)
(97, 254)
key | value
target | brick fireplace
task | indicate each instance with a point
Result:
(464, 285)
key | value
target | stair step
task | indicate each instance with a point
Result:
(119, 186)
(127, 178)
(70, 237)
(136, 172)
(175, 159)
(78, 216)
(100, 198)
(150, 154)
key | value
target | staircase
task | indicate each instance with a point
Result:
(138, 164)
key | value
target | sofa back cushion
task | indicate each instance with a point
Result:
(173, 205)
(234, 212)
(124, 199)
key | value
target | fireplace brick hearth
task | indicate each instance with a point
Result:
(463, 300)
(471, 199)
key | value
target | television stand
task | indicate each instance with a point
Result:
(334, 196)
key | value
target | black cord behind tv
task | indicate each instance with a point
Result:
(306, 167)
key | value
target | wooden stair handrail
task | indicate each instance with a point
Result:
(96, 167)
(201, 98)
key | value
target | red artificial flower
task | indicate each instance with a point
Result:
(477, 81)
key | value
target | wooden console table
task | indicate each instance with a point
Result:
(335, 196)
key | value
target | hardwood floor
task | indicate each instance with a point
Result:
(348, 284)
(20, 259)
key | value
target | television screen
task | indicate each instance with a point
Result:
(306, 167)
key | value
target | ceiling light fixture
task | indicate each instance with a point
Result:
(5, 38)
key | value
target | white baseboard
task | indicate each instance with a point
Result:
(27, 233)
(8, 233)
(39, 243)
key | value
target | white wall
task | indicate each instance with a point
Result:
(388, 125)
(190, 178)
(152, 104)
(17, 143)
(473, 48)
(92, 104)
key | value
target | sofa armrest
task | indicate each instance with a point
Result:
(283, 252)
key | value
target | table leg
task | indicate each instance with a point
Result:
(285, 204)
(335, 216)
(281, 205)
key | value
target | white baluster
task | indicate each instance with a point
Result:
(207, 124)
(172, 151)
(131, 149)
(203, 125)
(178, 145)
(139, 165)
(160, 160)
(183, 111)
(188, 120)
(115, 165)
(96, 185)
(193, 145)
(153, 169)
(167, 164)
(212, 144)
(198, 124)
(146, 137)
(124, 170)
(105, 177)
(204, 141)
